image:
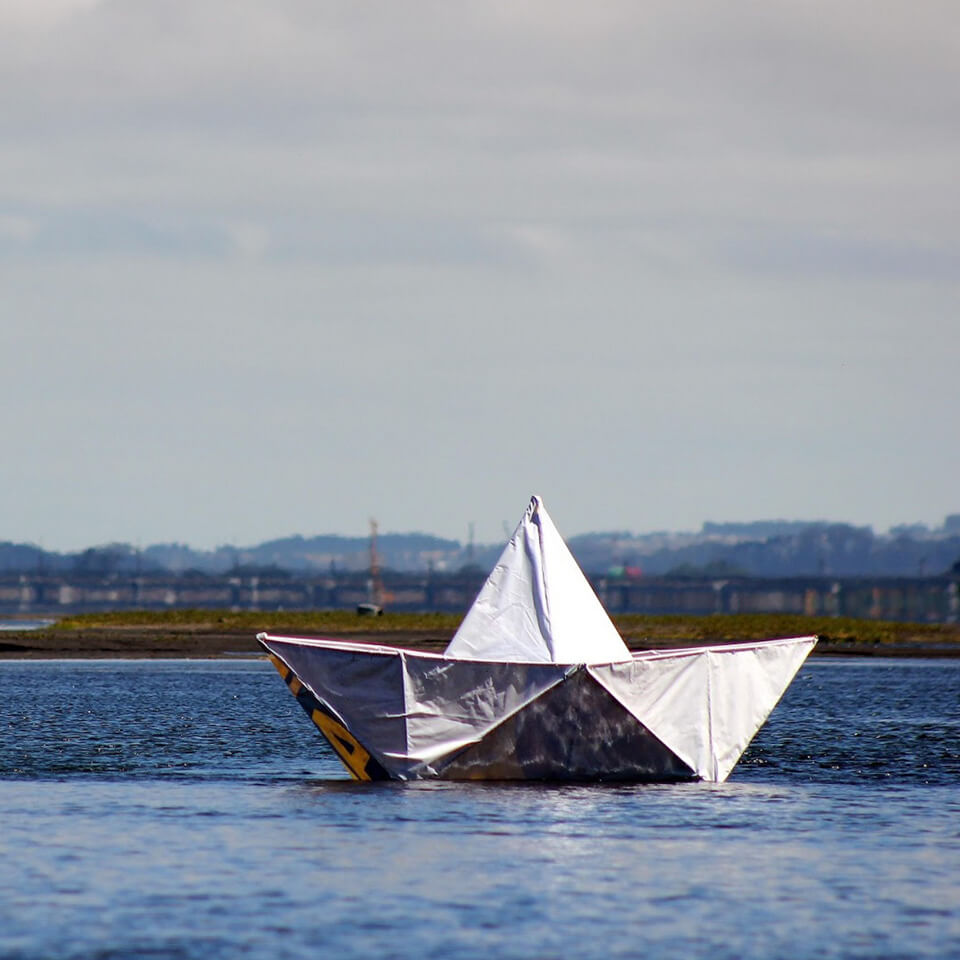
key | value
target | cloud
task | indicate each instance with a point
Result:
(249, 240)
(685, 123)
(626, 249)
(42, 14)
(17, 230)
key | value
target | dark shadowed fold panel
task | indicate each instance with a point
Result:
(574, 731)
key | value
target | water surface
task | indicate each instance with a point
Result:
(189, 809)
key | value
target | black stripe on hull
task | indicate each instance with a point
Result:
(354, 756)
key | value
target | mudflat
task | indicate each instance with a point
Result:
(123, 643)
(212, 633)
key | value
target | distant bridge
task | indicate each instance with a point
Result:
(921, 599)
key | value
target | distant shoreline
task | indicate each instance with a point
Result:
(204, 642)
(212, 633)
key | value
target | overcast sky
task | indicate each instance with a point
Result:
(276, 267)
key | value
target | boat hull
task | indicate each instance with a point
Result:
(391, 713)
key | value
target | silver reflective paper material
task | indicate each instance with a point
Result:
(537, 684)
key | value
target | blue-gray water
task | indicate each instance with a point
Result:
(189, 809)
(21, 625)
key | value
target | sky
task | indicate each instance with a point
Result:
(278, 267)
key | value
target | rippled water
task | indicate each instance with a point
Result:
(189, 809)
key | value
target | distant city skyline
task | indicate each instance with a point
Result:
(276, 268)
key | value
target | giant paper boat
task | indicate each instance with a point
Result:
(537, 685)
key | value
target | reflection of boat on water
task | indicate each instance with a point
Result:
(537, 684)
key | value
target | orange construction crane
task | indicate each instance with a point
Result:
(377, 595)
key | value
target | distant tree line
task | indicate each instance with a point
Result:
(775, 548)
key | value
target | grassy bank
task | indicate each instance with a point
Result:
(837, 634)
(759, 626)
(324, 622)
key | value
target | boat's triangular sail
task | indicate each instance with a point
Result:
(537, 606)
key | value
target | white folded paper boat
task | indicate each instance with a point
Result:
(537, 685)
